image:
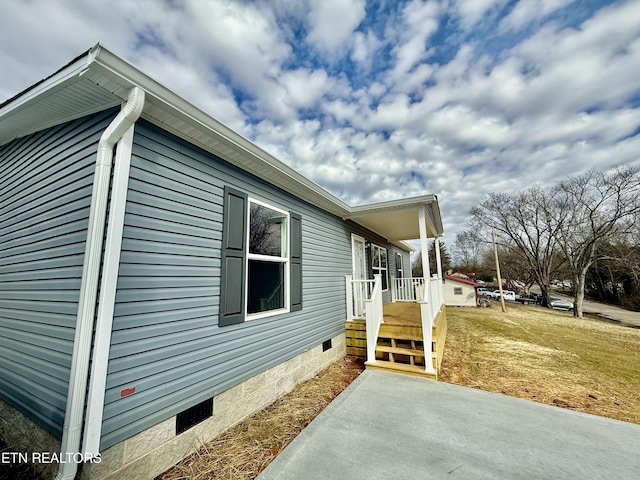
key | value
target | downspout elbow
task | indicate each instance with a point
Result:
(127, 116)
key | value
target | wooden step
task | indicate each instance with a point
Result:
(404, 333)
(400, 336)
(401, 368)
(404, 351)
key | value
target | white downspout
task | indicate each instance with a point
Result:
(73, 418)
(106, 300)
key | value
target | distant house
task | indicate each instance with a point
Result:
(162, 277)
(459, 292)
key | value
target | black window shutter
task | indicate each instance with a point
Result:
(296, 262)
(234, 254)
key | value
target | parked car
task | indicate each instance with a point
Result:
(529, 298)
(483, 292)
(506, 294)
(560, 304)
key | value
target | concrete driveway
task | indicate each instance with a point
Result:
(610, 312)
(390, 426)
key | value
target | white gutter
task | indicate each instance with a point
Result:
(71, 434)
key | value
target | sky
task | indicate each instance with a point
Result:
(376, 100)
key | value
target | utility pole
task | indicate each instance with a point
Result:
(495, 253)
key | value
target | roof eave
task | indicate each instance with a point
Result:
(115, 76)
(116, 71)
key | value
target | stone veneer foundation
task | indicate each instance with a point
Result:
(151, 452)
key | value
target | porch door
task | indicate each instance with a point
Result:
(359, 274)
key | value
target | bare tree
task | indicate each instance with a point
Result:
(468, 250)
(529, 223)
(516, 267)
(589, 209)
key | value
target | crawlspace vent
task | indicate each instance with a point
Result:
(193, 415)
(326, 345)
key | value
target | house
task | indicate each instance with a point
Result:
(459, 291)
(162, 277)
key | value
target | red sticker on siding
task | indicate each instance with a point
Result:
(127, 391)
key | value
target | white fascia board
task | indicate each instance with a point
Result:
(368, 208)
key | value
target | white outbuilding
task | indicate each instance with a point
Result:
(459, 292)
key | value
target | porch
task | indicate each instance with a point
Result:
(406, 335)
(393, 337)
(400, 345)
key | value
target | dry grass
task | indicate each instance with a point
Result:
(547, 356)
(245, 450)
(538, 354)
(17, 471)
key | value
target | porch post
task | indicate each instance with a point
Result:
(436, 247)
(424, 248)
(349, 290)
(425, 308)
(394, 293)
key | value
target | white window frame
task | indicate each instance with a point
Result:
(401, 269)
(457, 291)
(380, 269)
(268, 258)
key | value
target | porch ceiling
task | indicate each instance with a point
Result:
(398, 219)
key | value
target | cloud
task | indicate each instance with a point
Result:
(365, 46)
(379, 100)
(418, 22)
(529, 11)
(472, 11)
(333, 22)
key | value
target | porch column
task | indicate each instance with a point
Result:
(394, 293)
(424, 248)
(425, 308)
(349, 289)
(436, 247)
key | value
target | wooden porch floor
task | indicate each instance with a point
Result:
(402, 313)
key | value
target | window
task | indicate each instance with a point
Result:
(261, 270)
(379, 264)
(399, 269)
(267, 259)
(457, 290)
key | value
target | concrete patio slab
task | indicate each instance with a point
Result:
(390, 426)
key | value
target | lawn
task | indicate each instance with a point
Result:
(529, 352)
(547, 356)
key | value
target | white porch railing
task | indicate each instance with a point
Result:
(364, 301)
(407, 289)
(358, 291)
(428, 312)
(374, 317)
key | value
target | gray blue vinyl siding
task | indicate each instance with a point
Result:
(45, 193)
(166, 341)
